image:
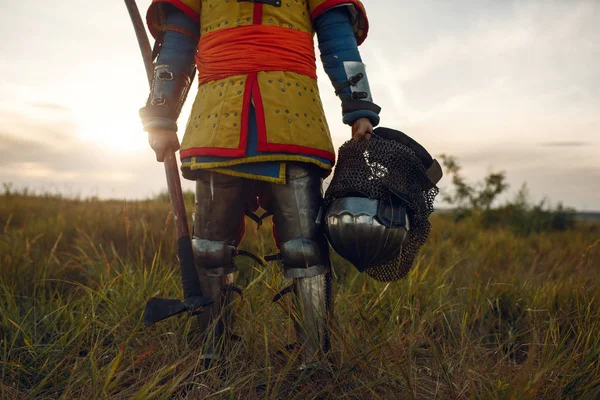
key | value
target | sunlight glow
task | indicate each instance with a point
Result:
(119, 131)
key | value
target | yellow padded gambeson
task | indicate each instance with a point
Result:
(216, 119)
(222, 14)
(293, 112)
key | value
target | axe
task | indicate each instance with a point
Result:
(158, 309)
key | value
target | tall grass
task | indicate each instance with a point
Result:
(482, 315)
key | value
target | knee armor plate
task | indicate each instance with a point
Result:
(303, 258)
(216, 258)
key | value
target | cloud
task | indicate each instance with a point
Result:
(53, 128)
(522, 60)
(80, 170)
(502, 85)
(50, 107)
(565, 144)
(49, 156)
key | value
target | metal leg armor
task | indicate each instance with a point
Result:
(218, 227)
(304, 255)
(217, 320)
(312, 312)
(221, 202)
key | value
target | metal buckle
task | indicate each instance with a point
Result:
(158, 101)
(359, 95)
(165, 75)
(356, 78)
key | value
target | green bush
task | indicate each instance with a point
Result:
(521, 215)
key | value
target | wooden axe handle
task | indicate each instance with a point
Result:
(142, 37)
(189, 276)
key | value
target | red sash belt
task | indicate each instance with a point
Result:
(254, 48)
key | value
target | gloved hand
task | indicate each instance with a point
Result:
(362, 129)
(163, 141)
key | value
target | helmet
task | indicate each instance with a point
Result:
(378, 203)
(377, 229)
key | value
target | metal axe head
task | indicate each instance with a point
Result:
(158, 309)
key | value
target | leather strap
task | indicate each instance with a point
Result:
(275, 3)
(183, 31)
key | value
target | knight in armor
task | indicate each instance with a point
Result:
(257, 135)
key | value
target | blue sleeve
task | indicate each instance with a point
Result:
(178, 50)
(337, 44)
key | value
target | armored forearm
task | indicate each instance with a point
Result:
(176, 46)
(343, 64)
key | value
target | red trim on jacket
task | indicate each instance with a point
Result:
(297, 150)
(252, 92)
(265, 147)
(269, 148)
(240, 151)
(258, 14)
(334, 3)
(261, 125)
(176, 3)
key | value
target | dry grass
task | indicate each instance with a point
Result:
(483, 314)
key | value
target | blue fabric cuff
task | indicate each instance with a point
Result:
(351, 117)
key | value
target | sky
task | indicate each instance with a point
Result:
(501, 85)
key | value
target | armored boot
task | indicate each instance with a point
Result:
(218, 228)
(312, 313)
(216, 322)
(304, 256)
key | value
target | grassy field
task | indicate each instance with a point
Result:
(484, 314)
